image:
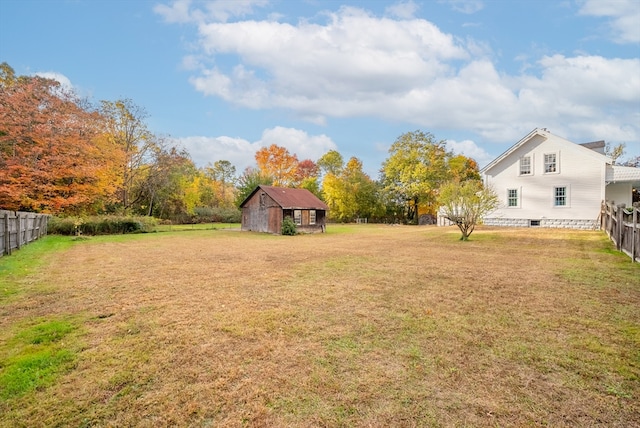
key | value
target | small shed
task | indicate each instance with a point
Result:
(265, 208)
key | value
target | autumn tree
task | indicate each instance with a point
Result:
(465, 203)
(276, 162)
(307, 176)
(350, 193)
(52, 157)
(223, 179)
(124, 126)
(416, 168)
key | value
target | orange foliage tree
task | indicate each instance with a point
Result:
(52, 156)
(276, 162)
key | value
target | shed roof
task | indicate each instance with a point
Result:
(289, 198)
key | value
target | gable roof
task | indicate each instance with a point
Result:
(544, 133)
(290, 198)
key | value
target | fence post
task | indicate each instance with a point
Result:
(634, 231)
(7, 234)
(620, 216)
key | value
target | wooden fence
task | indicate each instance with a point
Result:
(19, 228)
(623, 227)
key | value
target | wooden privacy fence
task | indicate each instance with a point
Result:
(20, 228)
(623, 228)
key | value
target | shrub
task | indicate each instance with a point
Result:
(288, 226)
(216, 215)
(101, 225)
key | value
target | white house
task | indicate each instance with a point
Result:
(546, 180)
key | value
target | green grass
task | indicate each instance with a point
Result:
(35, 355)
(25, 261)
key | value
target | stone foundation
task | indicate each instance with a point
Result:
(545, 222)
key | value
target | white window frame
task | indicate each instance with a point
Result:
(297, 217)
(312, 216)
(530, 170)
(510, 198)
(566, 196)
(548, 164)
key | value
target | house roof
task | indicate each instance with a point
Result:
(543, 132)
(617, 174)
(289, 198)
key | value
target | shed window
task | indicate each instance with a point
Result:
(550, 163)
(297, 217)
(525, 165)
(312, 216)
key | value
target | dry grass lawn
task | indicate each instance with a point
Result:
(365, 326)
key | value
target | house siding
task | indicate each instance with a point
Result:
(578, 170)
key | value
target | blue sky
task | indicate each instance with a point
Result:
(227, 77)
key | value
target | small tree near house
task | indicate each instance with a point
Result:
(465, 203)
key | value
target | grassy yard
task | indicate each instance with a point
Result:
(362, 326)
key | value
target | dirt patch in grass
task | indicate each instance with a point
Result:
(368, 326)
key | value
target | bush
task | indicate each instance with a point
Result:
(216, 215)
(100, 225)
(289, 226)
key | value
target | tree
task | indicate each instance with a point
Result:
(277, 162)
(223, 174)
(125, 127)
(465, 203)
(248, 181)
(416, 168)
(307, 176)
(331, 162)
(351, 194)
(52, 157)
(614, 152)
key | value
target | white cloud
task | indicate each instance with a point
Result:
(465, 6)
(624, 15)
(181, 11)
(403, 10)
(471, 150)
(408, 71)
(241, 153)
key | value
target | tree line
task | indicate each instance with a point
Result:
(64, 155)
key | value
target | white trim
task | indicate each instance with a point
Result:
(518, 197)
(567, 196)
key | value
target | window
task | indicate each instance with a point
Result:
(512, 198)
(297, 216)
(312, 216)
(534, 223)
(550, 163)
(525, 165)
(560, 196)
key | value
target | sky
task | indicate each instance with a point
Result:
(224, 78)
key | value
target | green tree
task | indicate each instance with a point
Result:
(248, 181)
(465, 203)
(351, 193)
(416, 168)
(331, 162)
